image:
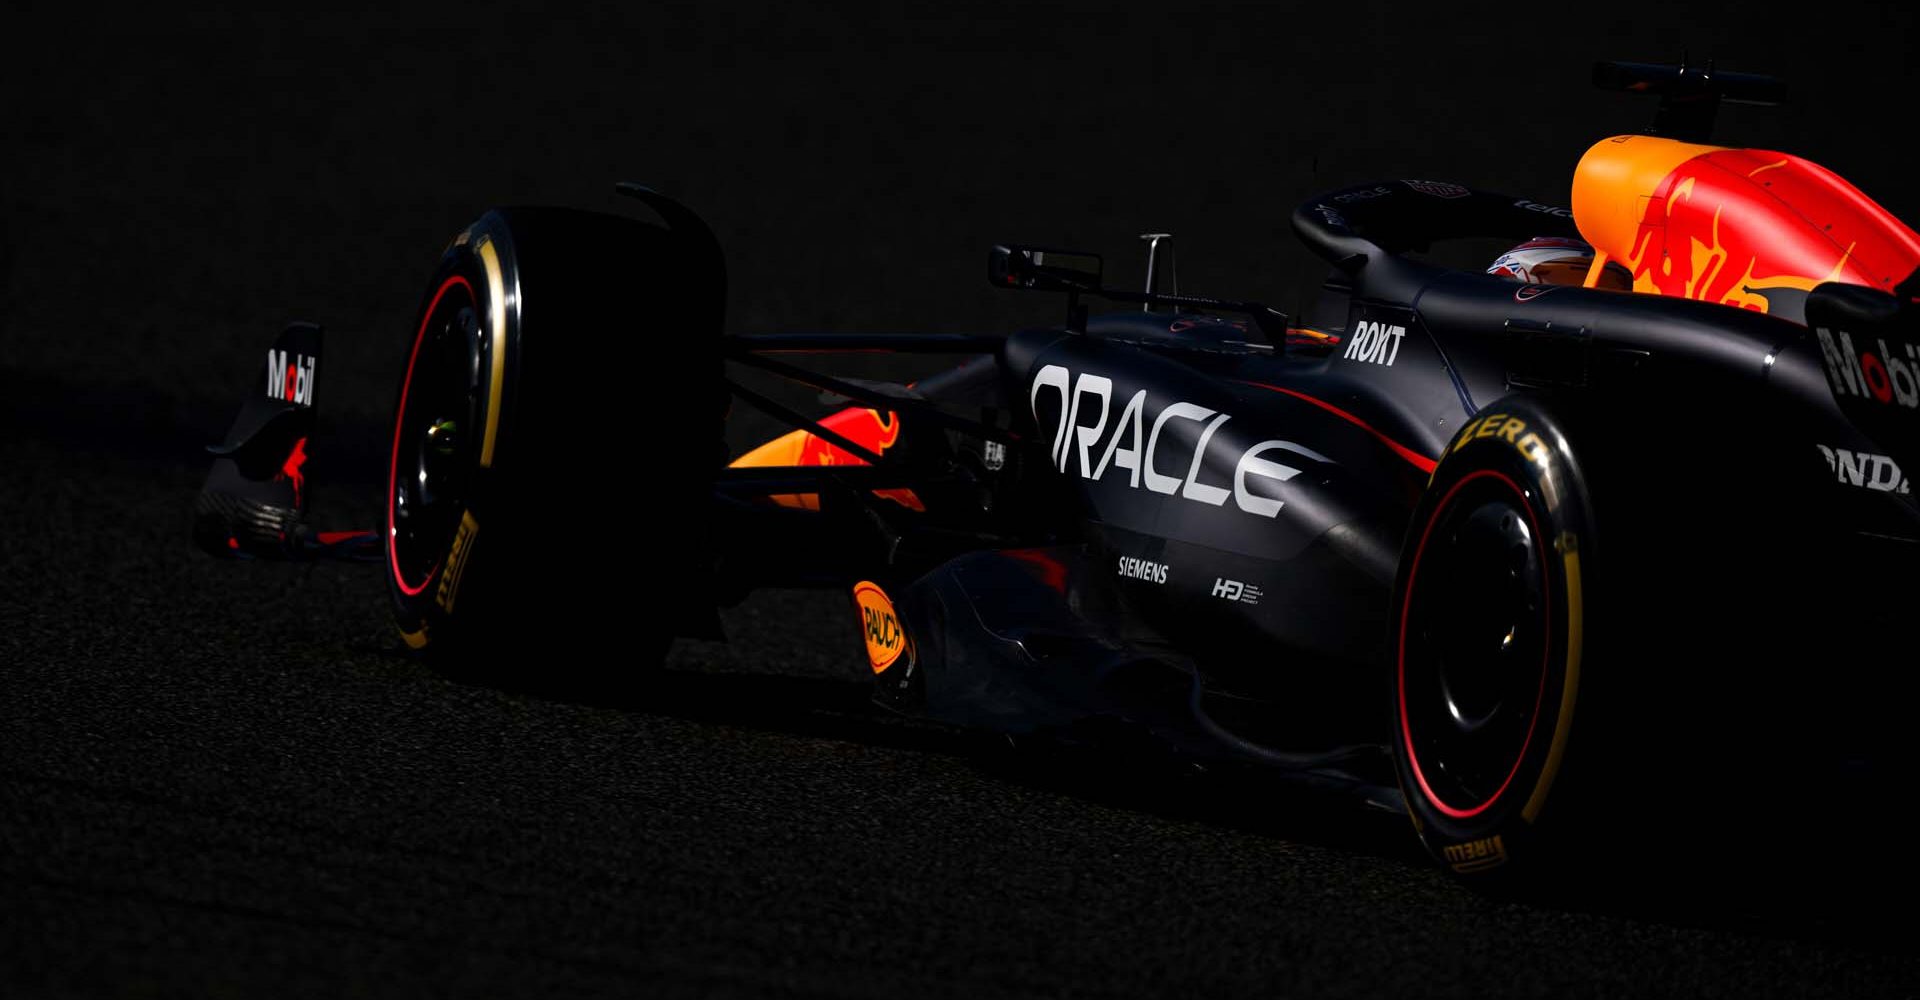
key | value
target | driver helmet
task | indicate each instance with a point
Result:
(1557, 260)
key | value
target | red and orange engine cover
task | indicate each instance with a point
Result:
(1733, 226)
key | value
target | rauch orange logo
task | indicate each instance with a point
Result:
(880, 626)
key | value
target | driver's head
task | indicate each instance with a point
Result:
(1556, 260)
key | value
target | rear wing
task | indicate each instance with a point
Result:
(1690, 96)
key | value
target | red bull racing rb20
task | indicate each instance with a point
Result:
(1505, 551)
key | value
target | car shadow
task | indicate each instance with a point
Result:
(1825, 873)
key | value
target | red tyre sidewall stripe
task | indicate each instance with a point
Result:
(399, 420)
(1400, 666)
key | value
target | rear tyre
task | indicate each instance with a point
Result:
(554, 439)
(1493, 633)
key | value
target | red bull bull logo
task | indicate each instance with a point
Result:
(867, 428)
(1717, 230)
(1746, 228)
(870, 429)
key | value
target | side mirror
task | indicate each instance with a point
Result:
(1042, 269)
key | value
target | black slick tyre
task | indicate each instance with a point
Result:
(559, 392)
(1492, 633)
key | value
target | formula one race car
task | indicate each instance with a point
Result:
(1502, 550)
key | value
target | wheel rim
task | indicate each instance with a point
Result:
(1475, 637)
(435, 449)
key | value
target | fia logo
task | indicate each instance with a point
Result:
(994, 454)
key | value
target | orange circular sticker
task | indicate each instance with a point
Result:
(886, 640)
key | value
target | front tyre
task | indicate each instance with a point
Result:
(558, 423)
(1493, 630)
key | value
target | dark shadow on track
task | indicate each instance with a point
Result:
(1825, 870)
(1712, 868)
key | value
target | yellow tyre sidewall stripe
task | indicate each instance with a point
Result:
(1570, 681)
(497, 378)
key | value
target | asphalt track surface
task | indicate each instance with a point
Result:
(226, 779)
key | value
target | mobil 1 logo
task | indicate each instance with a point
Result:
(1875, 371)
(290, 376)
(1376, 335)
